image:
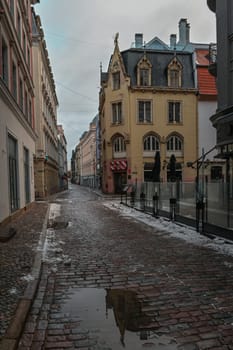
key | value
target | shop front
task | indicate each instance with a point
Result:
(119, 173)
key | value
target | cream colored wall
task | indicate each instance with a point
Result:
(10, 124)
(88, 154)
(187, 129)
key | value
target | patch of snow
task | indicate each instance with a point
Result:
(55, 211)
(172, 229)
(13, 291)
(27, 278)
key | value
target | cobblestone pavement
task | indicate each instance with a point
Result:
(16, 259)
(170, 294)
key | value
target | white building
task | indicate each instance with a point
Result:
(17, 123)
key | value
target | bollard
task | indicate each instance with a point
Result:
(200, 209)
(173, 209)
(142, 201)
(156, 205)
(132, 198)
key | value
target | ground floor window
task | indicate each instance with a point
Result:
(26, 174)
(148, 172)
(13, 173)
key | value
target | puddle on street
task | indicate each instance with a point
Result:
(115, 319)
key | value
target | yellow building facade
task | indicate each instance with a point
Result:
(148, 104)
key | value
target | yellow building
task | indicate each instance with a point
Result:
(148, 103)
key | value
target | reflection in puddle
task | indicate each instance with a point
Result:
(114, 316)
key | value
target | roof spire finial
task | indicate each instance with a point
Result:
(116, 38)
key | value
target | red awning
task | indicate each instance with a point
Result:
(118, 165)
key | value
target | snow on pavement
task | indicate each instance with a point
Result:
(163, 225)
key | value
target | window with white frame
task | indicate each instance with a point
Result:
(119, 147)
(144, 111)
(174, 144)
(117, 113)
(151, 144)
(174, 112)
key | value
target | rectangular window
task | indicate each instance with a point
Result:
(26, 104)
(144, 112)
(29, 59)
(24, 44)
(14, 81)
(4, 62)
(13, 173)
(21, 94)
(117, 113)
(26, 174)
(116, 80)
(144, 77)
(30, 112)
(12, 8)
(19, 26)
(174, 112)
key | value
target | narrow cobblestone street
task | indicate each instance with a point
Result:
(111, 282)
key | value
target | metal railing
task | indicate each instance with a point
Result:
(202, 205)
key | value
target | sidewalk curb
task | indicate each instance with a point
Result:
(11, 338)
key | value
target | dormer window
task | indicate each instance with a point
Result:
(144, 77)
(174, 74)
(144, 72)
(116, 80)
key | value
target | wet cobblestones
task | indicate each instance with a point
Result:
(184, 291)
(16, 259)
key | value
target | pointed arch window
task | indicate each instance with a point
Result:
(175, 145)
(119, 147)
(175, 74)
(151, 144)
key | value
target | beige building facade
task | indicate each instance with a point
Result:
(86, 157)
(46, 103)
(148, 103)
(17, 120)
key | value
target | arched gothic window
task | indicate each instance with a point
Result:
(174, 73)
(151, 143)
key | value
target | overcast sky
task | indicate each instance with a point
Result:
(80, 34)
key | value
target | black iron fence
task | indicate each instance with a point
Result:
(206, 206)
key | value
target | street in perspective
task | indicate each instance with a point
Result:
(112, 278)
(116, 175)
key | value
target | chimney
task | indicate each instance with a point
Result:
(138, 40)
(184, 29)
(173, 41)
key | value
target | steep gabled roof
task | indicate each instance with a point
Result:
(206, 81)
(156, 44)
